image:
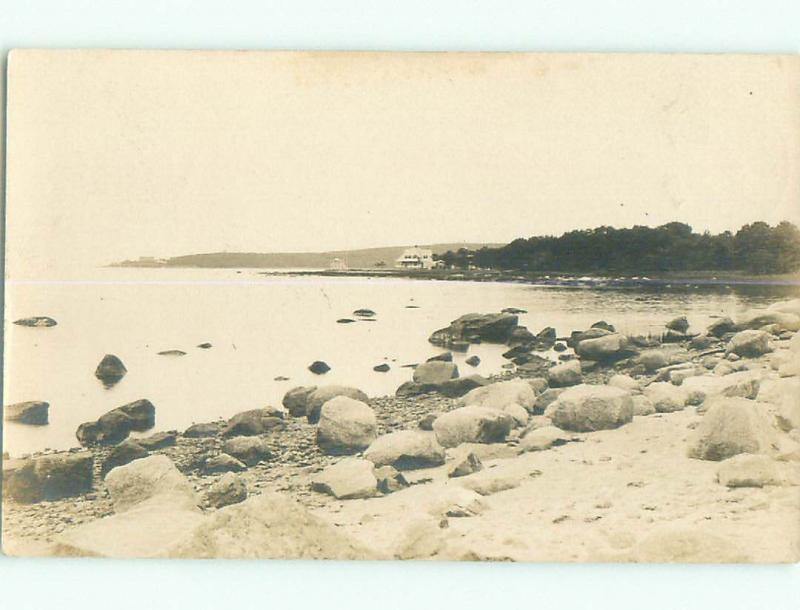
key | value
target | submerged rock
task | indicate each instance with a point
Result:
(36, 322)
(32, 412)
(381, 368)
(318, 367)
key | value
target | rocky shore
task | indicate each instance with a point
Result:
(682, 447)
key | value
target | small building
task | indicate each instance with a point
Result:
(337, 264)
(416, 258)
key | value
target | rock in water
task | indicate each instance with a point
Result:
(444, 357)
(499, 395)
(205, 346)
(586, 408)
(114, 426)
(295, 401)
(122, 454)
(472, 424)
(348, 479)
(364, 313)
(345, 426)
(318, 367)
(254, 422)
(172, 352)
(143, 479)
(51, 477)
(749, 344)
(32, 412)
(732, 426)
(473, 361)
(435, 372)
(493, 328)
(229, 489)
(248, 449)
(110, 370)
(381, 368)
(36, 322)
(323, 394)
(406, 450)
(567, 374)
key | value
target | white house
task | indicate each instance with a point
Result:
(416, 258)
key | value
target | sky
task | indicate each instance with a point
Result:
(118, 154)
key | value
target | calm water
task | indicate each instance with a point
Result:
(263, 327)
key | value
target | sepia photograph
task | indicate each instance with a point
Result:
(455, 306)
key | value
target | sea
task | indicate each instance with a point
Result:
(266, 328)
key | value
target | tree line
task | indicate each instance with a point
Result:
(755, 248)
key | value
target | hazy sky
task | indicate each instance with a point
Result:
(118, 154)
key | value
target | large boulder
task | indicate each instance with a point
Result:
(749, 344)
(493, 328)
(454, 388)
(653, 359)
(122, 454)
(143, 479)
(666, 397)
(748, 470)
(406, 450)
(115, 426)
(720, 327)
(346, 425)
(603, 348)
(51, 477)
(254, 422)
(267, 526)
(323, 394)
(732, 426)
(295, 401)
(472, 424)
(229, 489)
(110, 370)
(566, 374)
(499, 395)
(31, 412)
(348, 479)
(249, 450)
(759, 318)
(585, 408)
(744, 384)
(435, 372)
